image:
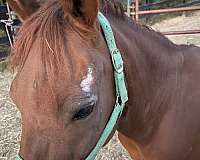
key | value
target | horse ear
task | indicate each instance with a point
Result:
(83, 10)
(24, 8)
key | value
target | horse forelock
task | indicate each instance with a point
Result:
(44, 29)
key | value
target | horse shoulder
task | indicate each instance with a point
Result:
(179, 132)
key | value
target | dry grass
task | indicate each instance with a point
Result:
(9, 121)
(184, 22)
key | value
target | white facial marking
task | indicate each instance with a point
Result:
(87, 82)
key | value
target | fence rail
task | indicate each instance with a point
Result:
(168, 10)
(6, 27)
(135, 11)
(164, 3)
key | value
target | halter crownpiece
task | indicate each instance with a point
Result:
(121, 91)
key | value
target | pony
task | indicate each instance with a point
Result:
(65, 91)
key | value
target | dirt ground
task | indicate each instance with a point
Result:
(10, 117)
(181, 23)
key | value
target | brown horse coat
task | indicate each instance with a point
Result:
(161, 120)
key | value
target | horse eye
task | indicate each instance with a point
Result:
(84, 112)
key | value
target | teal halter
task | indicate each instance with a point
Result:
(121, 91)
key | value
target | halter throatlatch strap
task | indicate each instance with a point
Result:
(121, 91)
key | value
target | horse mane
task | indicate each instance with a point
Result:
(115, 9)
(112, 8)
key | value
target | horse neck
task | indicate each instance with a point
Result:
(151, 65)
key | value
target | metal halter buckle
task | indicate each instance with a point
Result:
(117, 61)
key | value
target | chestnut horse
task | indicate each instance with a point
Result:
(65, 89)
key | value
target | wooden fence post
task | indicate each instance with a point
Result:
(137, 10)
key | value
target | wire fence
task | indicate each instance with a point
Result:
(8, 26)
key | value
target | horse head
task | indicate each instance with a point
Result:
(64, 86)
